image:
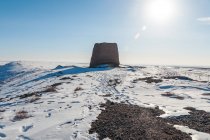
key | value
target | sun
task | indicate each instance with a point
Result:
(160, 11)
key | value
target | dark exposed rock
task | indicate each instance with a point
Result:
(179, 78)
(206, 94)
(125, 122)
(66, 78)
(190, 108)
(49, 89)
(172, 95)
(35, 94)
(114, 82)
(60, 67)
(197, 119)
(20, 115)
(2, 110)
(56, 84)
(107, 95)
(77, 89)
(148, 80)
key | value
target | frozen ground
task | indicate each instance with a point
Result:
(58, 101)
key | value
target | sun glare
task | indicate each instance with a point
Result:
(160, 11)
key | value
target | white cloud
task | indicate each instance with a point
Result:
(137, 35)
(204, 20)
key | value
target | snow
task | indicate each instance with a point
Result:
(195, 134)
(67, 114)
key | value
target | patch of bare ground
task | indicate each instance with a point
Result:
(56, 84)
(89, 76)
(20, 115)
(77, 89)
(38, 94)
(114, 82)
(1, 117)
(107, 95)
(50, 89)
(206, 94)
(178, 78)
(130, 122)
(148, 80)
(31, 97)
(172, 95)
(2, 110)
(197, 119)
(34, 96)
(206, 99)
(66, 78)
(34, 99)
(1, 99)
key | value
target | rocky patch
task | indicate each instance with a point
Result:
(125, 122)
(172, 95)
(197, 119)
(178, 78)
(20, 115)
(148, 80)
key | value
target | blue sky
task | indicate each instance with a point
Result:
(66, 30)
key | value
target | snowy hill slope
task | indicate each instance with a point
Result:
(60, 103)
(11, 70)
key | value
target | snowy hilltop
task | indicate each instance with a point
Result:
(62, 101)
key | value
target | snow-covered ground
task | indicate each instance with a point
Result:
(58, 101)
